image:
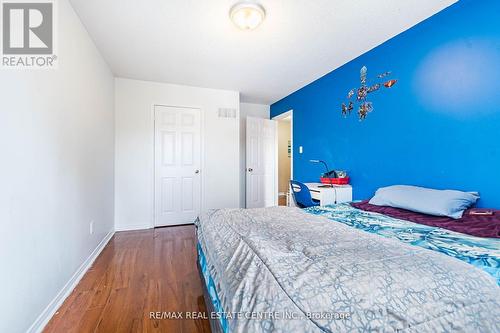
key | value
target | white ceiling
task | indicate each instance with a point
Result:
(193, 42)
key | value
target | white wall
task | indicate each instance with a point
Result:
(134, 178)
(56, 172)
(248, 110)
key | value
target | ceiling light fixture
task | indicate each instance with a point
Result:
(247, 15)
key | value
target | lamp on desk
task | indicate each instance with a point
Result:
(326, 168)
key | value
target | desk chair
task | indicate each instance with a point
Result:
(302, 195)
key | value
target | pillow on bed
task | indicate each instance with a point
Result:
(424, 200)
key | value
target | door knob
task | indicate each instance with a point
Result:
(250, 169)
(197, 171)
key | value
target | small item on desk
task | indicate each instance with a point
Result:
(342, 174)
(481, 212)
(340, 178)
(335, 181)
(332, 177)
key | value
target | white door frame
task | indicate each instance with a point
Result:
(202, 153)
(280, 117)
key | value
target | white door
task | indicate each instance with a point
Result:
(177, 165)
(261, 185)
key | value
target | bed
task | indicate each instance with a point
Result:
(344, 269)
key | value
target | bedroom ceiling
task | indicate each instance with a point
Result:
(193, 42)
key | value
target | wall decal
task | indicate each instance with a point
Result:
(362, 92)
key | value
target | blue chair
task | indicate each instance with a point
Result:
(302, 195)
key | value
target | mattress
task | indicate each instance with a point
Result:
(285, 270)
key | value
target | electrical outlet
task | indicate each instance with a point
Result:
(91, 227)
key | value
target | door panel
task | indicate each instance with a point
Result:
(168, 148)
(187, 148)
(168, 187)
(177, 165)
(261, 163)
(187, 194)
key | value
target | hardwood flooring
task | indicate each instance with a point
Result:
(281, 201)
(138, 272)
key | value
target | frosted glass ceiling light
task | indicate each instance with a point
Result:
(247, 15)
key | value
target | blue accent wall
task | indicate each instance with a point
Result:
(438, 127)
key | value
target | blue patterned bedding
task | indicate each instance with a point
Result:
(483, 253)
(298, 271)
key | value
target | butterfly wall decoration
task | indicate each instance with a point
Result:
(361, 94)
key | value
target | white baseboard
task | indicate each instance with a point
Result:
(133, 227)
(56, 303)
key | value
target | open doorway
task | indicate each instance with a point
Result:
(284, 156)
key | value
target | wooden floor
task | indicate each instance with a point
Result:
(138, 272)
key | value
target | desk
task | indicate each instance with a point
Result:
(329, 195)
